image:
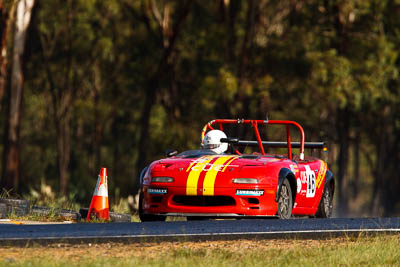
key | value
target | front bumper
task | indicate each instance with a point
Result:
(173, 201)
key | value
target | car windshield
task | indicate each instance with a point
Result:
(196, 153)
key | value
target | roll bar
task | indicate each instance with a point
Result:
(259, 142)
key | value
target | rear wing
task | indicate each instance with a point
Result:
(254, 123)
(275, 144)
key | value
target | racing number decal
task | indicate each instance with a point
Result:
(311, 182)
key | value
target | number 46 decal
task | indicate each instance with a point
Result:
(311, 183)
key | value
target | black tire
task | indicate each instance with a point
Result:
(285, 201)
(18, 207)
(325, 206)
(3, 211)
(148, 217)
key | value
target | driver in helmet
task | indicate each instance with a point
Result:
(212, 141)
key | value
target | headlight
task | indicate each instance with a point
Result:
(162, 179)
(245, 181)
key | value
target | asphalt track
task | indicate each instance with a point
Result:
(11, 234)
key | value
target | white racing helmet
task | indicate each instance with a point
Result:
(212, 141)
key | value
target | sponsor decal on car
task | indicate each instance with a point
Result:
(294, 169)
(321, 174)
(158, 191)
(249, 192)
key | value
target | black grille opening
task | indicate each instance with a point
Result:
(204, 201)
(253, 200)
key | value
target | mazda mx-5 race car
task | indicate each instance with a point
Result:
(239, 182)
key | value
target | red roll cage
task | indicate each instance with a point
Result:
(255, 123)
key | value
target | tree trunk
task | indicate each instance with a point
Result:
(343, 128)
(356, 164)
(94, 155)
(144, 124)
(153, 86)
(6, 21)
(11, 147)
(383, 158)
(390, 193)
(64, 83)
(63, 143)
(234, 8)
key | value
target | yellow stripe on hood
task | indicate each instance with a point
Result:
(211, 175)
(196, 168)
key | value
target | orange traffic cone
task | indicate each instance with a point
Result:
(99, 204)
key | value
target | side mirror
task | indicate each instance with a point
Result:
(171, 152)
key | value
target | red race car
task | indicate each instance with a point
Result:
(225, 179)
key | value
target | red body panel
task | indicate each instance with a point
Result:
(211, 177)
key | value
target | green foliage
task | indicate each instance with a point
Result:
(46, 197)
(306, 61)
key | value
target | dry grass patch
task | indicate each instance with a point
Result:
(338, 251)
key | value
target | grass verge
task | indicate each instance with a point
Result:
(372, 251)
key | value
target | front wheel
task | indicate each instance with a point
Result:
(325, 206)
(148, 217)
(285, 201)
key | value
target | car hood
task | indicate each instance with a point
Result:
(211, 171)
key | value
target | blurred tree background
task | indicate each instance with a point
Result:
(115, 83)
